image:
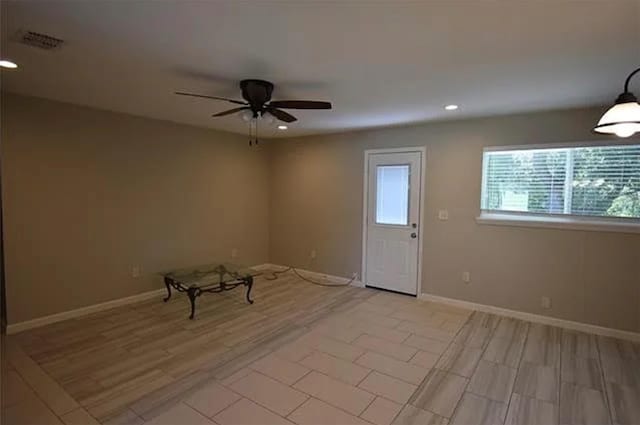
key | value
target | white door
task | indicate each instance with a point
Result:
(392, 227)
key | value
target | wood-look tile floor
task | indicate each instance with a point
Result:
(308, 354)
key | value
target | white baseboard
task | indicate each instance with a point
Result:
(537, 318)
(568, 324)
(14, 328)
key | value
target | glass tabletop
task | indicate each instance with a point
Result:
(210, 274)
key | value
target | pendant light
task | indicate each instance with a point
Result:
(623, 118)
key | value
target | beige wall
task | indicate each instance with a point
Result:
(316, 203)
(90, 194)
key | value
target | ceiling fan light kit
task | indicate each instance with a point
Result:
(623, 118)
(257, 105)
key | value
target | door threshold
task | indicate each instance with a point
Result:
(391, 290)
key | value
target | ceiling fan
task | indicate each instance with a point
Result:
(257, 99)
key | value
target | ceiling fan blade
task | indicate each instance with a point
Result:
(281, 115)
(300, 104)
(211, 97)
(230, 111)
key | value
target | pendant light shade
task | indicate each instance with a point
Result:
(623, 118)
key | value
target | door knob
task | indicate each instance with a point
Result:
(413, 235)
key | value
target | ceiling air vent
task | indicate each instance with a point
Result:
(39, 40)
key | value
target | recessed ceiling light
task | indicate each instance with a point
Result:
(451, 107)
(282, 127)
(7, 64)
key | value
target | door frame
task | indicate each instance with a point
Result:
(365, 205)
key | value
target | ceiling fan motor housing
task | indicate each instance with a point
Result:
(257, 93)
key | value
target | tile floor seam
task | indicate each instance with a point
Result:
(360, 356)
(133, 412)
(215, 382)
(232, 404)
(365, 409)
(436, 362)
(333, 405)
(315, 350)
(391, 376)
(278, 379)
(353, 362)
(60, 417)
(406, 338)
(603, 382)
(86, 411)
(304, 358)
(190, 407)
(301, 378)
(268, 408)
(298, 406)
(43, 403)
(344, 383)
(402, 405)
(29, 387)
(412, 357)
(492, 333)
(524, 343)
(201, 412)
(35, 393)
(337, 340)
(365, 377)
(559, 382)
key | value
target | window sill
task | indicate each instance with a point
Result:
(562, 223)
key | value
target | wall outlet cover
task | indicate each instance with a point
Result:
(545, 302)
(136, 271)
(443, 215)
(466, 277)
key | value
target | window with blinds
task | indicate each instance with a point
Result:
(597, 181)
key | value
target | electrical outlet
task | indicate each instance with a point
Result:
(234, 253)
(136, 271)
(443, 215)
(466, 277)
(313, 254)
(545, 302)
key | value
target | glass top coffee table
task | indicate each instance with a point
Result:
(214, 277)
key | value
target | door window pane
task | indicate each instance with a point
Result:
(392, 196)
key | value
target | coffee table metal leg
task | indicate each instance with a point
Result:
(249, 284)
(192, 293)
(168, 285)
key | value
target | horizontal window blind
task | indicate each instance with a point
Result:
(602, 181)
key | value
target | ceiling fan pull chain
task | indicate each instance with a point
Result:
(253, 132)
(256, 139)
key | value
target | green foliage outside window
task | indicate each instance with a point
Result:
(590, 181)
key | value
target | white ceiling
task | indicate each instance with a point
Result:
(379, 62)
